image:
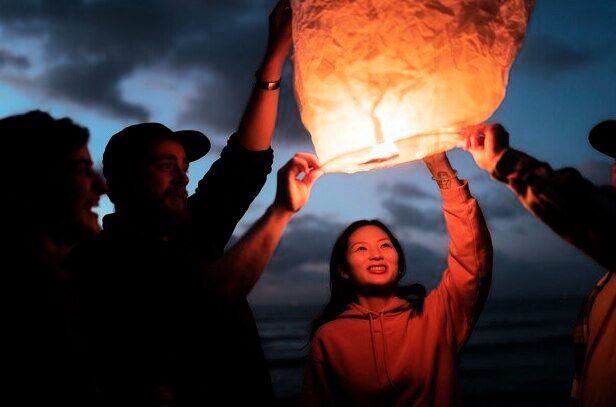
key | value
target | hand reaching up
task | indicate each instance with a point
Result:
(295, 180)
(486, 142)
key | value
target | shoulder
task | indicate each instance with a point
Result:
(328, 330)
(339, 329)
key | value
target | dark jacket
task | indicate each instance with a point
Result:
(43, 359)
(158, 335)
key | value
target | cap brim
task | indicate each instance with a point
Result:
(603, 137)
(195, 143)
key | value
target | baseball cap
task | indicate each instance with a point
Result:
(129, 142)
(603, 137)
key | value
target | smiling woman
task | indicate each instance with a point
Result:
(379, 344)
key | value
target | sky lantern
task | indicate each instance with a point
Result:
(379, 83)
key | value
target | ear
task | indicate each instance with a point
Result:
(343, 274)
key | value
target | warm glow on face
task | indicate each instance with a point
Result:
(372, 258)
(382, 83)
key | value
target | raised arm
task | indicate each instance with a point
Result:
(238, 270)
(580, 212)
(466, 281)
(442, 172)
(258, 121)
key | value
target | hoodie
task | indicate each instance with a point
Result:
(398, 357)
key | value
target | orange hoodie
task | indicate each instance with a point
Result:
(396, 357)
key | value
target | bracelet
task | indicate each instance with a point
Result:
(266, 85)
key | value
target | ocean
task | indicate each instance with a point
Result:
(519, 354)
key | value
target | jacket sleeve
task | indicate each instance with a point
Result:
(467, 279)
(580, 212)
(225, 193)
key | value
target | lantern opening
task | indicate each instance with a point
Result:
(387, 154)
(382, 152)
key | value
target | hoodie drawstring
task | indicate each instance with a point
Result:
(383, 349)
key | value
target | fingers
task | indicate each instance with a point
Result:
(484, 135)
(295, 180)
(282, 10)
(311, 161)
(496, 138)
(280, 36)
(474, 137)
(302, 163)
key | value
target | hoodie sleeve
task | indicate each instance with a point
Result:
(467, 279)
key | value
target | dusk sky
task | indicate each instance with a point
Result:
(190, 64)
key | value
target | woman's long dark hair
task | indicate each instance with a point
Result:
(342, 290)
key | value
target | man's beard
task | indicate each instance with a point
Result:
(169, 216)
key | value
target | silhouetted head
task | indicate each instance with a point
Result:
(603, 138)
(146, 169)
(54, 185)
(126, 146)
(341, 285)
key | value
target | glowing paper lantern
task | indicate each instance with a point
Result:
(382, 82)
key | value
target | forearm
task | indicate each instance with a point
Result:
(467, 280)
(445, 176)
(258, 122)
(470, 244)
(468, 275)
(569, 204)
(238, 270)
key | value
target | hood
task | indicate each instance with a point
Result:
(396, 306)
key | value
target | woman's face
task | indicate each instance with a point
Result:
(372, 258)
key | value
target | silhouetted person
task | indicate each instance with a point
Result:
(377, 343)
(166, 312)
(585, 216)
(50, 188)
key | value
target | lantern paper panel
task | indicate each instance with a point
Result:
(382, 82)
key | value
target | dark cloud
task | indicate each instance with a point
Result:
(298, 271)
(69, 81)
(550, 56)
(406, 190)
(571, 275)
(10, 59)
(307, 240)
(92, 46)
(403, 203)
(499, 203)
(408, 215)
